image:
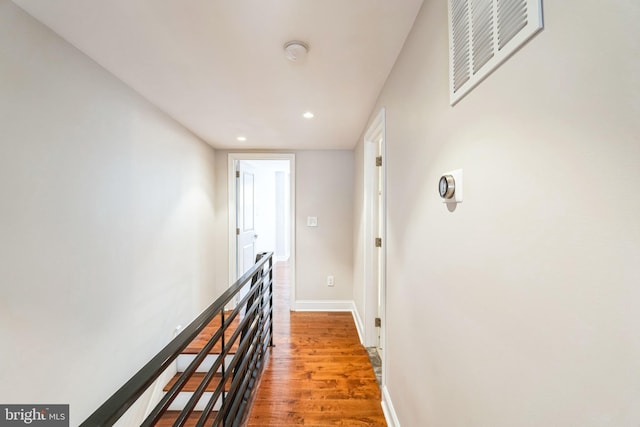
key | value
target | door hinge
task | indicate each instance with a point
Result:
(379, 161)
(378, 322)
(378, 242)
(237, 231)
(237, 174)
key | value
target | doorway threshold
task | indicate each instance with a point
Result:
(376, 363)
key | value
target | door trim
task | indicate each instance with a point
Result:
(231, 180)
(376, 130)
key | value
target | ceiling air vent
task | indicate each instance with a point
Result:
(483, 34)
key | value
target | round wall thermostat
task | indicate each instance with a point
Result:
(447, 186)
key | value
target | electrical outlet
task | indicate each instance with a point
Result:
(330, 281)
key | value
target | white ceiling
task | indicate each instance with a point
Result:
(218, 66)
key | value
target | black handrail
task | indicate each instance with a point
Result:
(255, 333)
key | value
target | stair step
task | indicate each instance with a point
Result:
(169, 417)
(205, 335)
(181, 400)
(195, 380)
(184, 360)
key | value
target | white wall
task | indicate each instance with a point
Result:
(271, 210)
(522, 307)
(283, 220)
(324, 188)
(106, 230)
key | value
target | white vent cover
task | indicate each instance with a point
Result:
(483, 34)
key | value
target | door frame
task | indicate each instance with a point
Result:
(376, 131)
(231, 181)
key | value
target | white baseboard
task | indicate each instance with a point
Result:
(326, 305)
(388, 409)
(359, 323)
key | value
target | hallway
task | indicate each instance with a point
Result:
(318, 373)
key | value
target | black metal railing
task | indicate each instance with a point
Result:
(236, 367)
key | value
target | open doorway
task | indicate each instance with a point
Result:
(261, 210)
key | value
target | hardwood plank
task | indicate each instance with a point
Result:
(318, 374)
(207, 333)
(322, 390)
(195, 380)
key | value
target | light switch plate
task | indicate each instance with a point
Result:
(312, 221)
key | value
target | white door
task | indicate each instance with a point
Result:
(245, 218)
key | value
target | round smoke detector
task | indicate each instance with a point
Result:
(296, 50)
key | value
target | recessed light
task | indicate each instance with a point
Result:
(242, 138)
(308, 115)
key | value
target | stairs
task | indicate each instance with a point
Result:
(187, 391)
(170, 417)
(190, 387)
(230, 386)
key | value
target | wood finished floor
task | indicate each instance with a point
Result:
(318, 373)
